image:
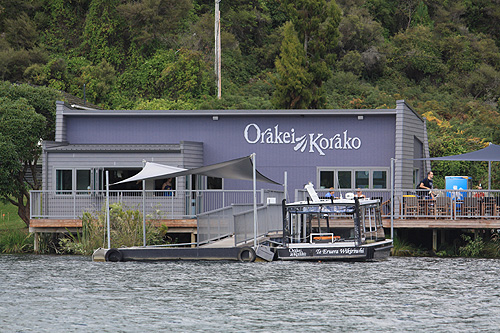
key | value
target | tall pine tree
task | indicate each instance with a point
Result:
(293, 81)
(316, 23)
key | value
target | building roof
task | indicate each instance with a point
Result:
(70, 111)
(172, 148)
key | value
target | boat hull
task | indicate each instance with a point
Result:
(336, 252)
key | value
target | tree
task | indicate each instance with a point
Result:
(21, 129)
(416, 57)
(293, 80)
(316, 23)
(27, 115)
(42, 99)
(99, 81)
(188, 76)
(151, 22)
(21, 32)
(102, 35)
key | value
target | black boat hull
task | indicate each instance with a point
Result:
(341, 253)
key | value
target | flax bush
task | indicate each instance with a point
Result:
(125, 230)
(16, 241)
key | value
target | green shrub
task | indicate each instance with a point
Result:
(16, 241)
(472, 247)
(125, 231)
(404, 249)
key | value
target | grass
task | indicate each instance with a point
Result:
(14, 235)
(9, 220)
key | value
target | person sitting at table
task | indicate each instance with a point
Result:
(479, 194)
(426, 185)
(331, 194)
(360, 194)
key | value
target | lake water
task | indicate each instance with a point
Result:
(40, 293)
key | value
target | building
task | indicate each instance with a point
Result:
(343, 149)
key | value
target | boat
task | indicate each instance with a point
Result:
(347, 229)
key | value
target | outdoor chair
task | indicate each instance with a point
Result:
(410, 206)
(489, 206)
(443, 205)
(470, 207)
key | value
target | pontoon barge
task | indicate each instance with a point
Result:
(315, 230)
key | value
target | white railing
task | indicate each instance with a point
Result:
(448, 204)
(176, 204)
(168, 205)
(269, 219)
(222, 213)
(414, 204)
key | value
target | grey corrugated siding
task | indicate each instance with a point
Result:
(409, 126)
(60, 123)
(62, 156)
(192, 154)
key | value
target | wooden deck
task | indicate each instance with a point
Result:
(54, 225)
(430, 223)
(37, 226)
(190, 225)
(44, 225)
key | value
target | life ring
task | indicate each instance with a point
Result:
(246, 254)
(113, 255)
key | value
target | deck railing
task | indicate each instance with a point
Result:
(414, 204)
(176, 204)
(182, 204)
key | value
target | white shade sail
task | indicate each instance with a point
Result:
(152, 171)
(240, 168)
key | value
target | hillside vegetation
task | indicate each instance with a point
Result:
(440, 56)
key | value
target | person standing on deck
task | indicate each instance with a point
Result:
(426, 184)
(167, 186)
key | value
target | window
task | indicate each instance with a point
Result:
(345, 180)
(370, 178)
(326, 179)
(362, 179)
(379, 179)
(83, 181)
(416, 177)
(64, 181)
(214, 183)
(116, 175)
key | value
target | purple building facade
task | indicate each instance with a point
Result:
(344, 149)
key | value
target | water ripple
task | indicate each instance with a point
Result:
(74, 294)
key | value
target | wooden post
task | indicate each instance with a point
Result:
(193, 239)
(434, 240)
(36, 244)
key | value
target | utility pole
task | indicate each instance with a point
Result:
(217, 59)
